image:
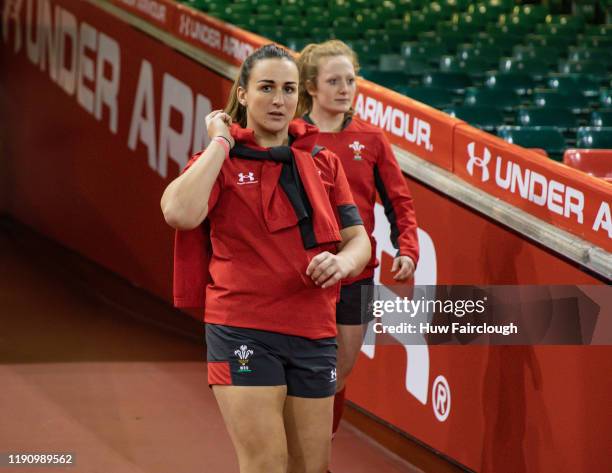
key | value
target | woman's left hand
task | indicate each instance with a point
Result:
(404, 266)
(327, 269)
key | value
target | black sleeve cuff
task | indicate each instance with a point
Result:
(349, 215)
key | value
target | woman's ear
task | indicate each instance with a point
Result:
(310, 88)
(242, 96)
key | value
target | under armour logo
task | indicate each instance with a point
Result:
(248, 178)
(333, 376)
(478, 161)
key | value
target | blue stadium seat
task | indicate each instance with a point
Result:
(485, 118)
(487, 97)
(432, 96)
(541, 116)
(455, 81)
(548, 138)
(594, 137)
(602, 117)
(519, 82)
(552, 98)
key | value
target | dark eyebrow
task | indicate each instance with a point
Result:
(268, 81)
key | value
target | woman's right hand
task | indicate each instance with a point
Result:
(218, 124)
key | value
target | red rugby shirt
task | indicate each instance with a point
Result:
(371, 167)
(257, 261)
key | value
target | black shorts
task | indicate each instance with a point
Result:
(355, 308)
(247, 357)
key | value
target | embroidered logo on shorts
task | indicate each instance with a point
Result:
(243, 358)
(333, 376)
(357, 147)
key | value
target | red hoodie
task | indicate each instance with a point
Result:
(371, 167)
(246, 264)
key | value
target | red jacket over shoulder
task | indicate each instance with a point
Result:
(246, 264)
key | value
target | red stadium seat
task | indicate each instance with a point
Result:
(596, 162)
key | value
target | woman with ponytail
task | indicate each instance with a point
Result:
(266, 229)
(328, 74)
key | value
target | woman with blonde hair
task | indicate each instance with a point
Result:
(266, 229)
(328, 73)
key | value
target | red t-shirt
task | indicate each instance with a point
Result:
(258, 267)
(371, 167)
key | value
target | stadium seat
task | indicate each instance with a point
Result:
(423, 52)
(510, 26)
(417, 68)
(435, 12)
(478, 16)
(590, 54)
(344, 22)
(543, 54)
(559, 42)
(240, 10)
(585, 8)
(405, 6)
(594, 137)
(551, 98)
(505, 5)
(596, 41)
(398, 31)
(548, 138)
(503, 41)
(389, 79)
(486, 118)
(268, 9)
(605, 98)
(595, 162)
(535, 12)
(418, 23)
(385, 11)
(532, 67)
(318, 34)
(487, 97)
(449, 38)
(455, 81)
(469, 50)
(317, 16)
(367, 20)
(599, 30)
(455, 5)
(269, 20)
(339, 9)
(475, 67)
(571, 84)
(536, 116)
(601, 118)
(296, 44)
(575, 20)
(592, 68)
(547, 29)
(432, 96)
(486, 11)
(519, 82)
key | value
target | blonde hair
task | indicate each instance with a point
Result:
(233, 107)
(308, 65)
